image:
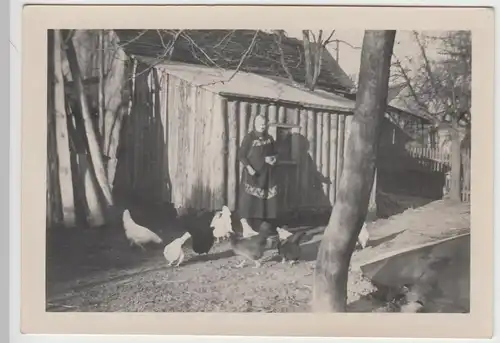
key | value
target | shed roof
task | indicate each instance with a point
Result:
(225, 48)
(247, 85)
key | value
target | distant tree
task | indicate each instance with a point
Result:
(314, 49)
(350, 208)
(441, 89)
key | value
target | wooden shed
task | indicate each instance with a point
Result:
(187, 122)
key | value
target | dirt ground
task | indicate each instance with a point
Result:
(97, 271)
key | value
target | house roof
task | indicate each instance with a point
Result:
(248, 85)
(225, 48)
(399, 97)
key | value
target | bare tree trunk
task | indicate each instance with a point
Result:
(308, 57)
(61, 133)
(318, 59)
(86, 182)
(116, 106)
(279, 34)
(54, 208)
(349, 211)
(96, 155)
(456, 162)
(102, 106)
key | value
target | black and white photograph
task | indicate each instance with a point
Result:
(258, 170)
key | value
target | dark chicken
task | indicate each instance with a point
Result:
(202, 235)
(251, 248)
(289, 248)
(202, 240)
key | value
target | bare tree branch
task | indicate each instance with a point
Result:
(187, 37)
(224, 39)
(134, 39)
(428, 69)
(243, 57)
(347, 43)
(166, 55)
(328, 41)
(278, 40)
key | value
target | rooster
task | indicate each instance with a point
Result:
(289, 245)
(221, 224)
(173, 251)
(251, 248)
(137, 234)
(247, 229)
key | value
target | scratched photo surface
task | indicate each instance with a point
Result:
(197, 170)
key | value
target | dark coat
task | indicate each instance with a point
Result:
(259, 192)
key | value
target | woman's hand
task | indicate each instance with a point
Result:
(250, 170)
(270, 160)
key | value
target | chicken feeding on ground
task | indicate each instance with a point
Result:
(221, 224)
(174, 251)
(247, 229)
(137, 234)
(289, 245)
(251, 248)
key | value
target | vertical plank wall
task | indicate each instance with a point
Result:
(186, 142)
(312, 181)
(197, 149)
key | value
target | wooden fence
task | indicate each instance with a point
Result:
(437, 160)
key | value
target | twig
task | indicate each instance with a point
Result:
(245, 54)
(327, 41)
(243, 57)
(189, 39)
(168, 51)
(412, 89)
(224, 39)
(347, 43)
(133, 39)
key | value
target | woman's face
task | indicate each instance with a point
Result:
(260, 124)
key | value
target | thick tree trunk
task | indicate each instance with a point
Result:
(96, 155)
(455, 184)
(349, 211)
(61, 133)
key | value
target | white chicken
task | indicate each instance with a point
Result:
(247, 229)
(173, 251)
(283, 233)
(221, 224)
(137, 234)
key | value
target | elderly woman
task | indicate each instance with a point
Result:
(258, 195)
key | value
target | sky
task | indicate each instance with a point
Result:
(350, 53)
